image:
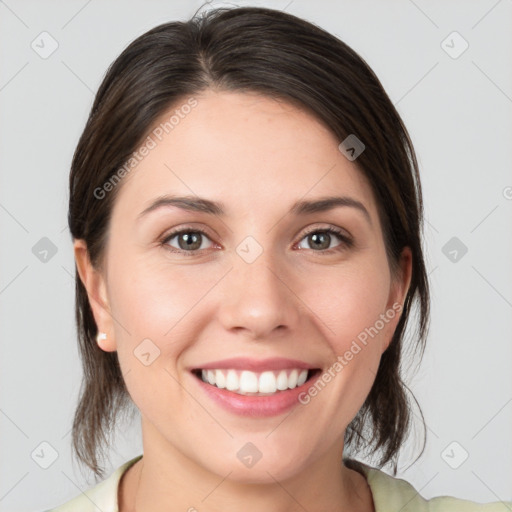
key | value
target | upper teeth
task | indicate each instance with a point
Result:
(251, 382)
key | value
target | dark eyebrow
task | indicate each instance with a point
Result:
(198, 204)
(324, 204)
(190, 203)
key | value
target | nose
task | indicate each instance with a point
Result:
(258, 298)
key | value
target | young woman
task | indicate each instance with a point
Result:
(246, 213)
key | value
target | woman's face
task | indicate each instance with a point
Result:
(265, 283)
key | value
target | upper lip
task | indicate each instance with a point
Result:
(245, 363)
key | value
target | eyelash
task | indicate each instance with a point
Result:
(346, 242)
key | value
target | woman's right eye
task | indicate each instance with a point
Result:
(189, 241)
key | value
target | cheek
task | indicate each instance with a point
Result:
(349, 302)
(155, 301)
(152, 307)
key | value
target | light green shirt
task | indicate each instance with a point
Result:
(389, 495)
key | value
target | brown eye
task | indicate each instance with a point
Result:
(320, 240)
(188, 240)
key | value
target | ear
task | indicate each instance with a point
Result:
(397, 294)
(95, 284)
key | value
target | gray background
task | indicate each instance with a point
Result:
(458, 111)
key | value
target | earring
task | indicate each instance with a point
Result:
(100, 337)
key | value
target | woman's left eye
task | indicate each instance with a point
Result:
(321, 238)
(190, 241)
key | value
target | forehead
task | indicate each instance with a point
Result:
(243, 150)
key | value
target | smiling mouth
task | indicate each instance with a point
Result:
(249, 383)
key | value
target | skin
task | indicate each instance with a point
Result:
(257, 156)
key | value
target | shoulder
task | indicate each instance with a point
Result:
(102, 496)
(392, 494)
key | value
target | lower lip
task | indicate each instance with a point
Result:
(256, 406)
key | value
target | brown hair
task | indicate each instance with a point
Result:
(283, 57)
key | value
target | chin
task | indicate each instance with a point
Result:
(248, 465)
